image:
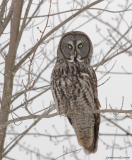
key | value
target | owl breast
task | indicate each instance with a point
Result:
(72, 90)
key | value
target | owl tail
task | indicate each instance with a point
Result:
(87, 147)
(87, 129)
(91, 149)
(90, 141)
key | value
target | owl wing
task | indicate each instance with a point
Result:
(62, 90)
(93, 81)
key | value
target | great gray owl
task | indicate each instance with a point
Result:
(74, 88)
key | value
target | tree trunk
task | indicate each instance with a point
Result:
(8, 73)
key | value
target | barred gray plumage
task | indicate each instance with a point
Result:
(74, 88)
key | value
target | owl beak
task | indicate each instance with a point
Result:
(75, 53)
(75, 58)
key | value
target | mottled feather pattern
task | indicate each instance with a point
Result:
(74, 89)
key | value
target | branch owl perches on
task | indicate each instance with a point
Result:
(74, 88)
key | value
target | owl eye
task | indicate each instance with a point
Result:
(70, 46)
(80, 46)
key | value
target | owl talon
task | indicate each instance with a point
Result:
(69, 111)
(76, 112)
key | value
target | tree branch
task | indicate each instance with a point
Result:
(53, 30)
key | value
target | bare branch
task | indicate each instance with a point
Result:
(53, 30)
(22, 135)
(55, 114)
(7, 19)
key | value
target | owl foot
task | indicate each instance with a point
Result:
(69, 111)
(76, 112)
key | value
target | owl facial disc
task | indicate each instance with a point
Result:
(75, 46)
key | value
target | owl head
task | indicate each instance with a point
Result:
(75, 47)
